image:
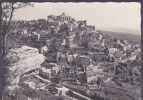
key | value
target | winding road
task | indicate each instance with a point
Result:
(76, 93)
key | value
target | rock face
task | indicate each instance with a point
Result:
(22, 60)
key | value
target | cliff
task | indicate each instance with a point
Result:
(22, 60)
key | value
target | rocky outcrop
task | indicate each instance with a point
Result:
(22, 60)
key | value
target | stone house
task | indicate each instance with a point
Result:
(72, 26)
(83, 61)
(112, 50)
(44, 49)
(49, 70)
(93, 76)
(46, 73)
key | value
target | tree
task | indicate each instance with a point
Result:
(63, 27)
(99, 82)
(8, 9)
(56, 79)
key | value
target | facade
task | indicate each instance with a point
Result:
(63, 18)
(44, 49)
(83, 60)
(25, 31)
(125, 42)
(70, 58)
(72, 26)
(100, 37)
(94, 68)
(92, 76)
(62, 56)
(118, 41)
(62, 91)
(112, 50)
(71, 42)
(56, 29)
(128, 47)
(55, 70)
(46, 73)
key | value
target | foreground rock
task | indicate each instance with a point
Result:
(22, 60)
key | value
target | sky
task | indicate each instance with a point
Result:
(120, 17)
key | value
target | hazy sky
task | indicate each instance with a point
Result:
(105, 16)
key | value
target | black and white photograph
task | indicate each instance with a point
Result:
(71, 51)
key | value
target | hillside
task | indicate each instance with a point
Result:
(135, 39)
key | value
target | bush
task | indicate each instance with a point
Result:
(19, 95)
(61, 98)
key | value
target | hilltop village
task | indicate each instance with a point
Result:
(80, 62)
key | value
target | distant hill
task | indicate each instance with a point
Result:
(132, 38)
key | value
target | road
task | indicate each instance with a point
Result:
(48, 81)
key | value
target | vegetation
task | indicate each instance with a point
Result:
(128, 72)
(25, 93)
(56, 79)
(8, 10)
(63, 28)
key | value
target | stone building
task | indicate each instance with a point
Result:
(112, 50)
(61, 18)
(44, 49)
